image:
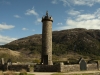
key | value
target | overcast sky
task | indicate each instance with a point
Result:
(22, 18)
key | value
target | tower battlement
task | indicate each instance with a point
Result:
(47, 17)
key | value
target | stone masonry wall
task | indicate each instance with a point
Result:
(14, 67)
(92, 66)
(63, 68)
(18, 67)
(67, 68)
(46, 68)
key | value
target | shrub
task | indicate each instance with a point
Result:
(23, 72)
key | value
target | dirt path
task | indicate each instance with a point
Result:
(80, 72)
(42, 73)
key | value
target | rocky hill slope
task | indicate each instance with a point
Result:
(75, 41)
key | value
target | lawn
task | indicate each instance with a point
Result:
(14, 73)
(17, 74)
(76, 74)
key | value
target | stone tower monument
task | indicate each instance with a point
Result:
(46, 56)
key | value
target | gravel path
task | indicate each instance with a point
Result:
(80, 72)
(42, 73)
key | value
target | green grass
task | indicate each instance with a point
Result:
(58, 74)
(30, 74)
(22, 72)
(84, 74)
(17, 74)
(14, 74)
(76, 74)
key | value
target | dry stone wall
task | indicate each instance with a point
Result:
(64, 68)
(92, 66)
(68, 68)
(46, 68)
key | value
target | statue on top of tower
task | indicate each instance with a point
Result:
(47, 17)
(46, 13)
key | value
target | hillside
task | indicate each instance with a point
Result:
(77, 41)
(9, 54)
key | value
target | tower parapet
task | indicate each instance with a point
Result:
(47, 17)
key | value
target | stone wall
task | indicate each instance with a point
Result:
(3, 67)
(50, 68)
(46, 68)
(68, 68)
(93, 66)
(56, 68)
(18, 67)
(14, 67)
(64, 68)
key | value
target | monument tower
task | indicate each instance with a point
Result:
(46, 56)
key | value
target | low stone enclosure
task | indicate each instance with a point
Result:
(61, 67)
(64, 68)
(81, 66)
(14, 67)
(4, 66)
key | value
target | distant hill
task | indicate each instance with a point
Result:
(9, 54)
(77, 41)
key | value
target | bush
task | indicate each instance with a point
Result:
(23, 72)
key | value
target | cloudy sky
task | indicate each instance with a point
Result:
(22, 18)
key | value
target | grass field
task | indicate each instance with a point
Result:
(77, 74)
(23, 72)
(16, 74)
